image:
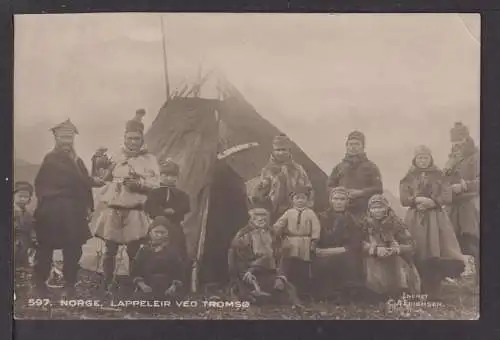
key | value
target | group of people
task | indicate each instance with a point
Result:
(287, 251)
(359, 247)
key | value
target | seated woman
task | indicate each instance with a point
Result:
(388, 248)
(157, 268)
(339, 263)
(253, 265)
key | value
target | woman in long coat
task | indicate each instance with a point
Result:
(339, 263)
(438, 253)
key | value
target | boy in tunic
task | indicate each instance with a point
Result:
(297, 233)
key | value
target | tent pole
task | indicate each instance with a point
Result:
(201, 245)
(165, 65)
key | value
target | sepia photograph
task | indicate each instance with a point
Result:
(246, 166)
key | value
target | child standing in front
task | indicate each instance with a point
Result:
(23, 224)
(297, 233)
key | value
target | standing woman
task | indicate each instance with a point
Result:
(437, 253)
(123, 221)
(462, 173)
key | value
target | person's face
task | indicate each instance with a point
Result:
(457, 146)
(133, 141)
(378, 212)
(260, 219)
(65, 143)
(159, 234)
(354, 147)
(339, 202)
(281, 154)
(168, 180)
(423, 161)
(22, 198)
(299, 200)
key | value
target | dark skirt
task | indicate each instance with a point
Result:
(61, 222)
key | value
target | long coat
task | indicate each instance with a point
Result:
(342, 270)
(463, 210)
(357, 172)
(64, 192)
(284, 178)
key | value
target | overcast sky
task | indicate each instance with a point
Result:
(403, 79)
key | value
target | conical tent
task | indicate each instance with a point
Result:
(195, 133)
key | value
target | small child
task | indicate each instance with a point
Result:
(297, 233)
(157, 268)
(170, 202)
(24, 235)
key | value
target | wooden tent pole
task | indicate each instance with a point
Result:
(201, 245)
(165, 65)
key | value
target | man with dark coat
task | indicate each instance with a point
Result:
(64, 192)
(360, 176)
(462, 175)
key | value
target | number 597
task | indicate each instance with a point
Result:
(38, 302)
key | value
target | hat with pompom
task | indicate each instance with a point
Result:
(459, 132)
(136, 124)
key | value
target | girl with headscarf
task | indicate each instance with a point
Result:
(133, 173)
(338, 263)
(388, 248)
(437, 251)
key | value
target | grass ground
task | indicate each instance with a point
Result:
(458, 302)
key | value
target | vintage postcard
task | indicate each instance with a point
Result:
(246, 166)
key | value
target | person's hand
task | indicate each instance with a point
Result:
(248, 277)
(98, 181)
(314, 245)
(144, 287)
(457, 188)
(382, 252)
(171, 290)
(132, 184)
(169, 211)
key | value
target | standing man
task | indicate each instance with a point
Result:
(462, 173)
(133, 173)
(360, 176)
(280, 177)
(63, 189)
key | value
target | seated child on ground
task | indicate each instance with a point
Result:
(157, 269)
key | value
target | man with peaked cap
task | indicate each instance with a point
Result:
(133, 173)
(63, 190)
(253, 268)
(462, 174)
(282, 175)
(357, 173)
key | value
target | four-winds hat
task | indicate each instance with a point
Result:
(378, 200)
(339, 191)
(422, 150)
(66, 128)
(459, 132)
(301, 189)
(282, 141)
(169, 167)
(136, 124)
(357, 135)
(258, 207)
(23, 186)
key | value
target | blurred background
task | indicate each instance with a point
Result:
(402, 79)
